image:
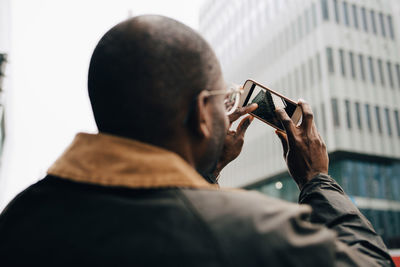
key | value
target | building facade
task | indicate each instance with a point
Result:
(4, 50)
(343, 57)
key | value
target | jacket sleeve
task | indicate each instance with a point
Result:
(357, 239)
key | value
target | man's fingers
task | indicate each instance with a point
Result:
(288, 124)
(307, 115)
(243, 125)
(282, 136)
(242, 111)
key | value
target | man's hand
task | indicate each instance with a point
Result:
(234, 139)
(303, 148)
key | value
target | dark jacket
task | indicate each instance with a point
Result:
(110, 201)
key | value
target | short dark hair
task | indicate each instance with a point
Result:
(143, 74)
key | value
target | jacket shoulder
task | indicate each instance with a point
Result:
(252, 229)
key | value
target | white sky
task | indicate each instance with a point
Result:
(46, 97)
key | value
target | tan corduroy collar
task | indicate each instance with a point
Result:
(114, 161)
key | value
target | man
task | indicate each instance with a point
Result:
(133, 194)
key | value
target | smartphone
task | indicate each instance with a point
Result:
(268, 101)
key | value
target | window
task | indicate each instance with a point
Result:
(352, 67)
(329, 57)
(378, 118)
(325, 10)
(342, 63)
(346, 14)
(307, 18)
(348, 113)
(314, 14)
(315, 116)
(323, 117)
(390, 74)
(293, 27)
(335, 112)
(398, 74)
(381, 75)
(355, 16)
(300, 25)
(371, 69)
(358, 115)
(397, 121)
(297, 80)
(362, 69)
(336, 8)
(290, 85)
(311, 71)
(368, 116)
(374, 29)
(390, 24)
(389, 126)
(304, 76)
(364, 19)
(382, 22)
(319, 70)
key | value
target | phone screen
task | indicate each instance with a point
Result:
(268, 102)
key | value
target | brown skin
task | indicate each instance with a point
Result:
(303, 148)
(214, 145)
(211, 125)
(234, 139)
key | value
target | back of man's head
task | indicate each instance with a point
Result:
(144, 73)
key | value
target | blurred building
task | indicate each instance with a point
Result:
(4, 49)
(343, 57)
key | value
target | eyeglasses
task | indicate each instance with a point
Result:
(232, 97)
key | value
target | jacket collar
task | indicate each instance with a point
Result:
(115, 161)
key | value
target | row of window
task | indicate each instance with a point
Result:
(305, 75)
(368, 112)
(355, 16)
(386, 69)
(358, 178)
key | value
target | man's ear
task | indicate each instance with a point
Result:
(202, 119)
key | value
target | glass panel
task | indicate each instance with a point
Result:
(382, 22)
(335, 112)
(336, 9)
(368, 117)
(374, 29)
(346, 14)
(348, 113)
(342, 62)
(304, 76)
(364, 19)
(300, 27)
(318, 60)
(389, 126)
(355, 16)
(358, 115)
(371, 69)
(390, 24)
(329, 56)
(352, 67)
(390, 74)
(378, 118)
(362, 68)
(307, 20)
(324, 117)
(311, 71)
(314, 14)
(398, 74)
(325, 10)
(381, 75)
(397, 121)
